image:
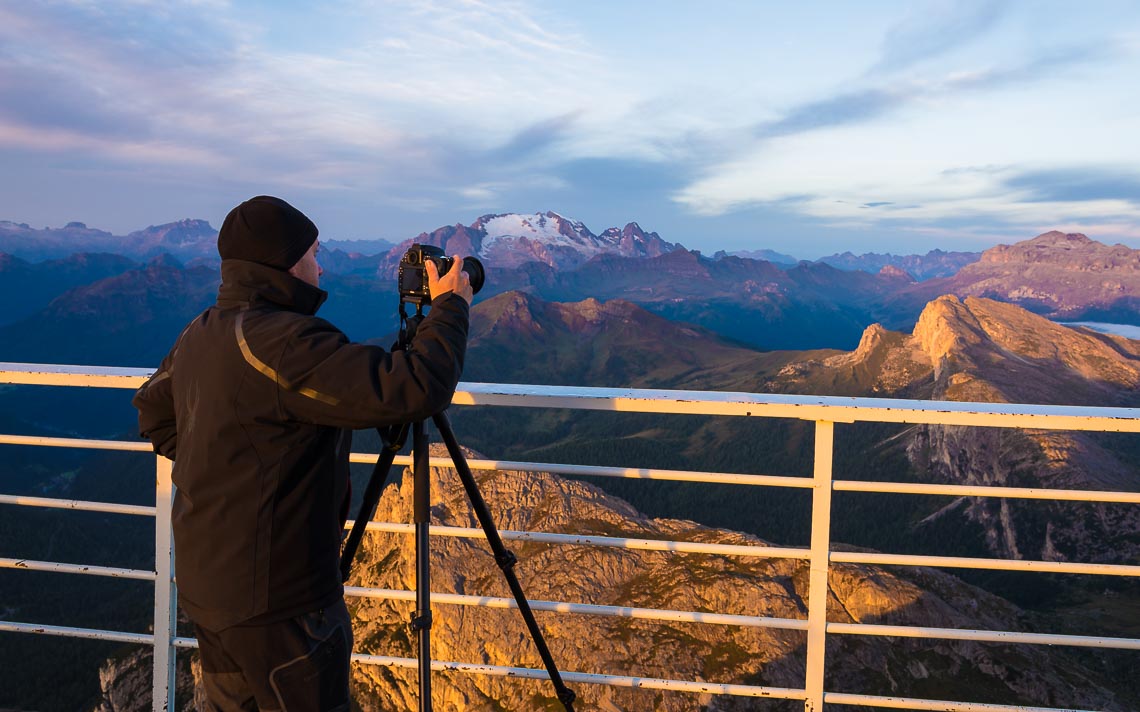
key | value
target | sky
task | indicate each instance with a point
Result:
(808, 128)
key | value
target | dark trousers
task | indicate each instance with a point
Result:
(295, 665)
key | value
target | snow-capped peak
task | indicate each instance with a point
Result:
(548, 228)
(512, 239)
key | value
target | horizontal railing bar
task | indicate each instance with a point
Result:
(987, 491)
(77, 504)
(126, 445)
(984, 636)
(960, 562)
(632, 473)
(655, 614)
(59, 568)
(186, 643)
(839, 409)
(684, 547)
(653, 474)
(68, 632)
(43, 374)
(909, 703)
(646, 683)
(774, 480)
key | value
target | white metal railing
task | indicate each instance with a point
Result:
(823, 411)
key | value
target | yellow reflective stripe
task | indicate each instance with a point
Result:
(272, 373)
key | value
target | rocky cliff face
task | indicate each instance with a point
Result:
(126, 683)
(623, 646)
(770, 587)
(987, 351)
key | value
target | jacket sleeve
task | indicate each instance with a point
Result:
(155, 403)
(328, 380)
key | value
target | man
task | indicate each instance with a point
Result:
(254, 404)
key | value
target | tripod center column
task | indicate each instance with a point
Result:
(421, 505)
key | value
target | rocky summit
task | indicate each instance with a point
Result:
(1065, 276)
(987, 351)
(511, 240)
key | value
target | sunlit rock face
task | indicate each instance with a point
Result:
(126, 682)
(691, 582)
(1065, 276)
(754, 586)
(986, 351)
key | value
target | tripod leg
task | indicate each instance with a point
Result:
(421, 505)
(372, 494)
(505, 559)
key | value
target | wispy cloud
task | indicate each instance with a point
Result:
(871, 103)
(1077, 184)
(861, 158)
(414, 106)
(934, 28)
(192, 77)
(535, 138)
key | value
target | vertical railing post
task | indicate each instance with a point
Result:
(165, 605)
(820, 555)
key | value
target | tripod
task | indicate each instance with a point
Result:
(421, 620)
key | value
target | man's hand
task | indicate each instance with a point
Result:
(456, 280)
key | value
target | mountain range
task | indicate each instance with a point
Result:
(625, 308)
(771, 305)
(505, 240)
(184, 239)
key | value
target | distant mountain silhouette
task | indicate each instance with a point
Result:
(130, 319)
(754, 302)
(935, 263)
(185, 239)
(27, 287)
(765, 255)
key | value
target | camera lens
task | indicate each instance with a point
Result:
(474, 270)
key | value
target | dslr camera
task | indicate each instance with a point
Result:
(413, 276)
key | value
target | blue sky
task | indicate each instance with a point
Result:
(809, 128)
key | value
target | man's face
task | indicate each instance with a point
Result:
(307, 270)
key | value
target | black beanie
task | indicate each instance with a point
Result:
(266, 230)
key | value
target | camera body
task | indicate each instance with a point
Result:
(412, 274)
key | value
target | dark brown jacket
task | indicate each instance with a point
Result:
(254, 404)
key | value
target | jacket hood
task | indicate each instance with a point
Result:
(247, 283)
